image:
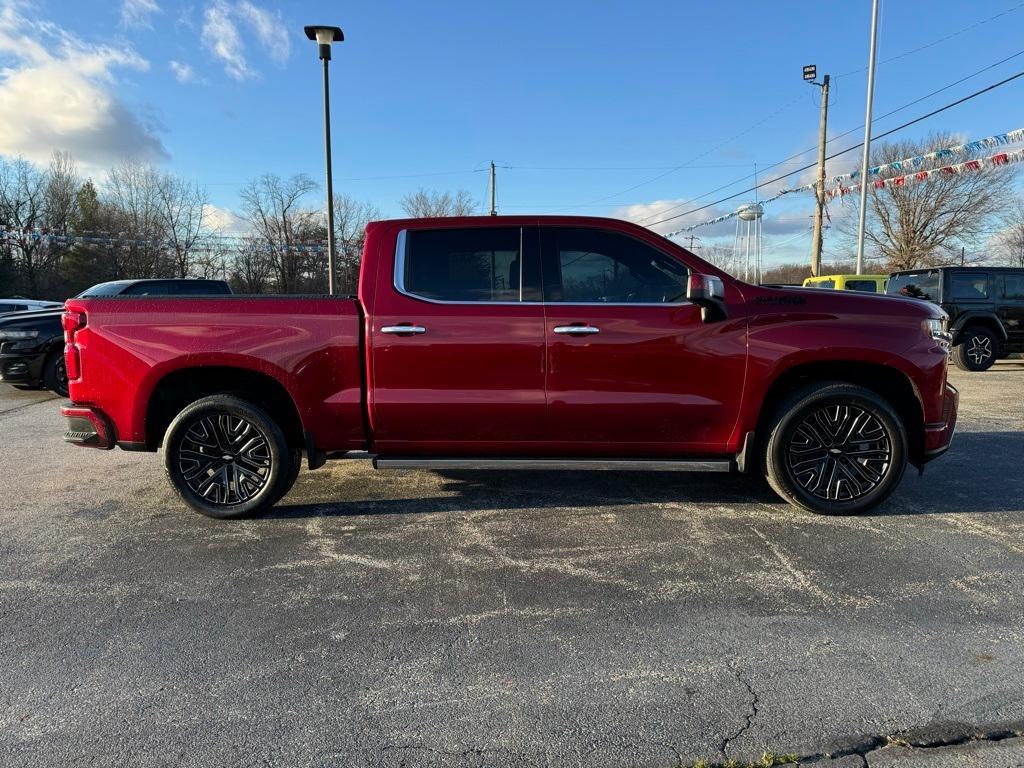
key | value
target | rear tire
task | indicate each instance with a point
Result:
(977, 350)
(835, 449)
(55, 373)
(227, 458)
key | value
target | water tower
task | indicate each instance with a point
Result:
(747, 242)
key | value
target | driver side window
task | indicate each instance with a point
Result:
(594, 266)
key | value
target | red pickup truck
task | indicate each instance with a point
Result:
(518, 343)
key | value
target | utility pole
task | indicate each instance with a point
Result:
(692, 238)
(819, 190)
(862, 218)
(494, 182)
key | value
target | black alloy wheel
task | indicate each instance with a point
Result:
(977, 350)
(835, 448)
(224, 459)
(839, 453)
(227, 457)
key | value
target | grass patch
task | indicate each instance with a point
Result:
(768, 760)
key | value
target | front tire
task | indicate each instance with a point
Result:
(977, 350)
(227, 458)
(55, 374)
(835, 449)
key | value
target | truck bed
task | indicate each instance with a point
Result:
(309, 345)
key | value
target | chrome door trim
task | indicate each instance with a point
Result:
(577, 329)
(403, 329)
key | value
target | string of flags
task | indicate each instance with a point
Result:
(969, 166)
(904, 166)
(42, 236)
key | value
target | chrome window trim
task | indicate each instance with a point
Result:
(398, 282)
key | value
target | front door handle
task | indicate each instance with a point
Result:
(573, 330)
(403, 329)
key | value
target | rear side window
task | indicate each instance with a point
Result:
(917, 285)
(822, 284)
(868, 286)
(196, 288)
(1013, 286)
(146, 289)
(968, 286)
(598, 267)
(462, 265)
(11, 308)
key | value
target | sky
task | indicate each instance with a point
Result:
(586, 106)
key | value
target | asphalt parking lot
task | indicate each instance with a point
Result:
(528, 619)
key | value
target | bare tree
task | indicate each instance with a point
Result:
(22, 213)
(350, 219)
(273, 207)
(182, 210)
(1010, 241)
(132, 190)
(424, 204)
(253, 266)
(926, 223)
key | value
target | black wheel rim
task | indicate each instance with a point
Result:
(979, 349)
(840, 453)
(62, 377)
(224, 459)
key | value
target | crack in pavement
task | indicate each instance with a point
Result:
(755, 700)
(920, 739)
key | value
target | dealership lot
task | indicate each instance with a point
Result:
(529, 619)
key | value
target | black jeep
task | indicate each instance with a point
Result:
(985, 307)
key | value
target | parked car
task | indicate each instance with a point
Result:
(19, 304)
(985, 307)
(518, 343)
(32, 343)
(865, 283)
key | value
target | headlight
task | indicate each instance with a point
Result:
(935, 328)
(18, 334)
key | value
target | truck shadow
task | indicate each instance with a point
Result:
(980, 473)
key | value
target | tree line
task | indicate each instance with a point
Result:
(142, 222)
(60, 233)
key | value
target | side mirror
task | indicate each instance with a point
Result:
(707, 292)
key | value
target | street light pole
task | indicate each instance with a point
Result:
(324, 36)
(865, 157)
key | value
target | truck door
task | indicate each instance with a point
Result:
(1011, 306)
(632, 367)
(457, 343)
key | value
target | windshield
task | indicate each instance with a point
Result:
(917, 285)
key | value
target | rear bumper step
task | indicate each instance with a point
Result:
(627, 465)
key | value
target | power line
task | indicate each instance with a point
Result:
(848, 149)
(841, 135)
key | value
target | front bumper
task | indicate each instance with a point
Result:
(939, 436)
(21, 367)
(87, 427)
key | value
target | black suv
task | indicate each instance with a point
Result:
(32, 343)
(985, 307)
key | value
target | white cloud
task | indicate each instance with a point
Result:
(182, 72)
(222, 38)
(224, 221)
(136, 13)
(269, 28)
(57, 93)
(647, 214)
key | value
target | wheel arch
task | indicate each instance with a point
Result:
(887, 382)
(182, 386)
(986, 320)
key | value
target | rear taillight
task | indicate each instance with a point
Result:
(72, 322)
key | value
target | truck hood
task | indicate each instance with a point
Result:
(823, 300)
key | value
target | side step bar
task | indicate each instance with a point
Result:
(634, 465)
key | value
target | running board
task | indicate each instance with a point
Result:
(634, 465)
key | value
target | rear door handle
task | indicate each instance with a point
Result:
(403, 329)
(573, 330)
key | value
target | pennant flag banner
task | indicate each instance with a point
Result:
(42, 236)
(1003, 158)
(969, 166)
(907, 164)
